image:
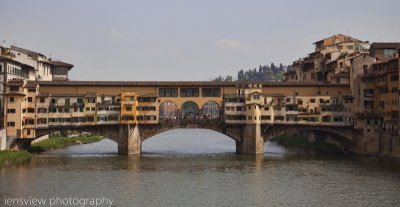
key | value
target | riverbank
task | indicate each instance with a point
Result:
(60, 142)
(297, 140)
(8, 158)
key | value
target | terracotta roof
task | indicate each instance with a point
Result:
(351, 38)
(26, 51)
(4, 58)
(58, 63)
(383, 45)
(180, 83)
(31, 84)
(16, 93)
(42, 95)
(385, 61)
(66, 95)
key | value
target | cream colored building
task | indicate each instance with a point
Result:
(53, 104)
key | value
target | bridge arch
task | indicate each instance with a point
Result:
(217, 125)
(108, 131)
(342, 136)
(211, 110)
(189, 109)
(168, 110)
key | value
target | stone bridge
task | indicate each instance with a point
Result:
(249, 138)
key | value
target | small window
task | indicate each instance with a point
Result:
(11, 111)
(11, 99)
(11, 124)
(29, 99)
(14, 88)
(41, 100)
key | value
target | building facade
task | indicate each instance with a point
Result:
(20, 63)
(372, 72)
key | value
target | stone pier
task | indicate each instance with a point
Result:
(3, 140)
(252, 141)
(129, 140)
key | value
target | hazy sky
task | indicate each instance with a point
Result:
(186, 40)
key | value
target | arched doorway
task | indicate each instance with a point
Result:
(211, 110)
(189, 110)
(168, 110)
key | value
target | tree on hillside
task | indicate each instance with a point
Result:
(263, 73)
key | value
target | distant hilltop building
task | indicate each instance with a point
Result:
(20, 63)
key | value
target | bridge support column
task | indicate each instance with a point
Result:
(129, 140)
(3, 140)
(252, 141)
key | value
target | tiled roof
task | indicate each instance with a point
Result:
(179, 83)
(42, 95)
(4, 58)
(16, 93)
(62, 64)
(385, 61)
(383, 45)
(26, 51)
(31, 84)
(66, 95)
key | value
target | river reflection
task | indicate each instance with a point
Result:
(200, 168)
